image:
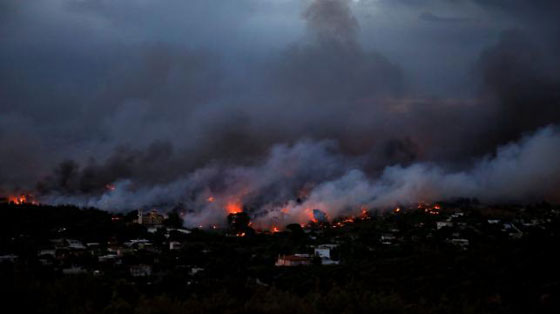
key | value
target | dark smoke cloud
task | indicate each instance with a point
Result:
(174, 101)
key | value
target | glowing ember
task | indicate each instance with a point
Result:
(398, 209)
(275, 229)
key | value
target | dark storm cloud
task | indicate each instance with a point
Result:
(252, 100)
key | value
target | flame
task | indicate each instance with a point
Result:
(309, 213)
(275, 229)
(21, 199)
(398, 209)
(17, 199)
(210, 199)
(234, 207)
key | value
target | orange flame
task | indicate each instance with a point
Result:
(234, 207)
(210, 199)
(309, 213)
(21, 199)
(275, 229)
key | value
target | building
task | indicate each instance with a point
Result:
(74, 270)
(294, 260)
(8, 258)
(388, 238)
(140, 270)
(152, 218)
(324, 253)
(174, 245)
(462, 243)
(443, 224)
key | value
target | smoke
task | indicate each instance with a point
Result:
(293, 180)
(279, 106)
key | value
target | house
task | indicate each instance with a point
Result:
(174, 245)
(443, 224)
(323, 251)
(49, 252)
(462, 243)
(294, 260)
(141, 270)
(387, 238)
(75, 244)
(107, 258)
(512, 231)
(457, 215)
(8, 258)
(138, 243)
(74, 270)
(152, 218)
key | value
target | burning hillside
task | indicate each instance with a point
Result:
(21, 199)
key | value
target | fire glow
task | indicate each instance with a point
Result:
(234, 207)
(21, 199)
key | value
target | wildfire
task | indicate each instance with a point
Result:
(309, 213)
(397, 210)
(275, 229)
(234, 207)
(363, 212)
(21, 199)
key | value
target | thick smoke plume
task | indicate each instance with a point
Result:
(293, 180)
(278, 107)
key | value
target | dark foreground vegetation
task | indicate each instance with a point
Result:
(478, 259)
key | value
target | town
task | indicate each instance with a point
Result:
(491, 258)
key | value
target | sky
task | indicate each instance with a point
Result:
(183, 99)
